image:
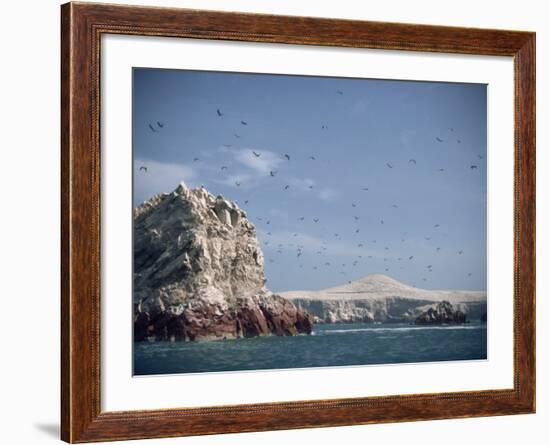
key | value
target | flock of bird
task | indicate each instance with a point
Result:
(324, 249)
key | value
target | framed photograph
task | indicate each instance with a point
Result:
(274, 222)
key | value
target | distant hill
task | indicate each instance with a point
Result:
(378, 286)
(381, 298)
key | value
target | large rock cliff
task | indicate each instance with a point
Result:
(198, 273)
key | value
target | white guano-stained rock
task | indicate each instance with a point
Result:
(199, 272)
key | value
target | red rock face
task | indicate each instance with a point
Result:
(251, 317)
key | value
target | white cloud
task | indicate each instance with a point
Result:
(309, 185)
(303, 184)
(249, 170)
(327, 194)
(310, 244)
(235, 180)
(263, 164)
(160, 177)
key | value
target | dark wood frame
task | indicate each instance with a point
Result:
(82, 25)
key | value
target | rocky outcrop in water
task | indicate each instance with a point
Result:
(441, 313)
(199, 273)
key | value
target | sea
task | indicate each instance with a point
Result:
(328, 345)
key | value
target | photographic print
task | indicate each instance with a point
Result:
(284, 221)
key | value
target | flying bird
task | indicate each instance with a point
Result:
(459, 141)
(220, 114)
(256, 154)
(227, 145)
(196, 159)
(224, 167)
(312, 158)
(438, 139)
(324, 127)
(272, 173)
(287, 157)
(160, 124)
(381, 221)
(473, 167)
(244, 123)
(237, 183)
(480, 157)
(143, 169)
(395, 206)
(341, 93)
(460, 252)
(438, 248)
(152, 128)
(441, 170)
(389, 165)
(301, 218)
(236, 135)
(315, 220)
(365, 189)
(286, 187)
(436, 226)
(353, 205)
(413, 161)
(411, 257)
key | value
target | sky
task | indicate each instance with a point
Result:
(384, 176)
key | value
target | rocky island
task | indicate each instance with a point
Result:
(199, 273)
(379, 298)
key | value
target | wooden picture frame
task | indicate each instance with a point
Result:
(82, 25)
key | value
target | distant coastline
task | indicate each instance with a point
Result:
(379, 298)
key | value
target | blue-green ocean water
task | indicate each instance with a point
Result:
(329, 345)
